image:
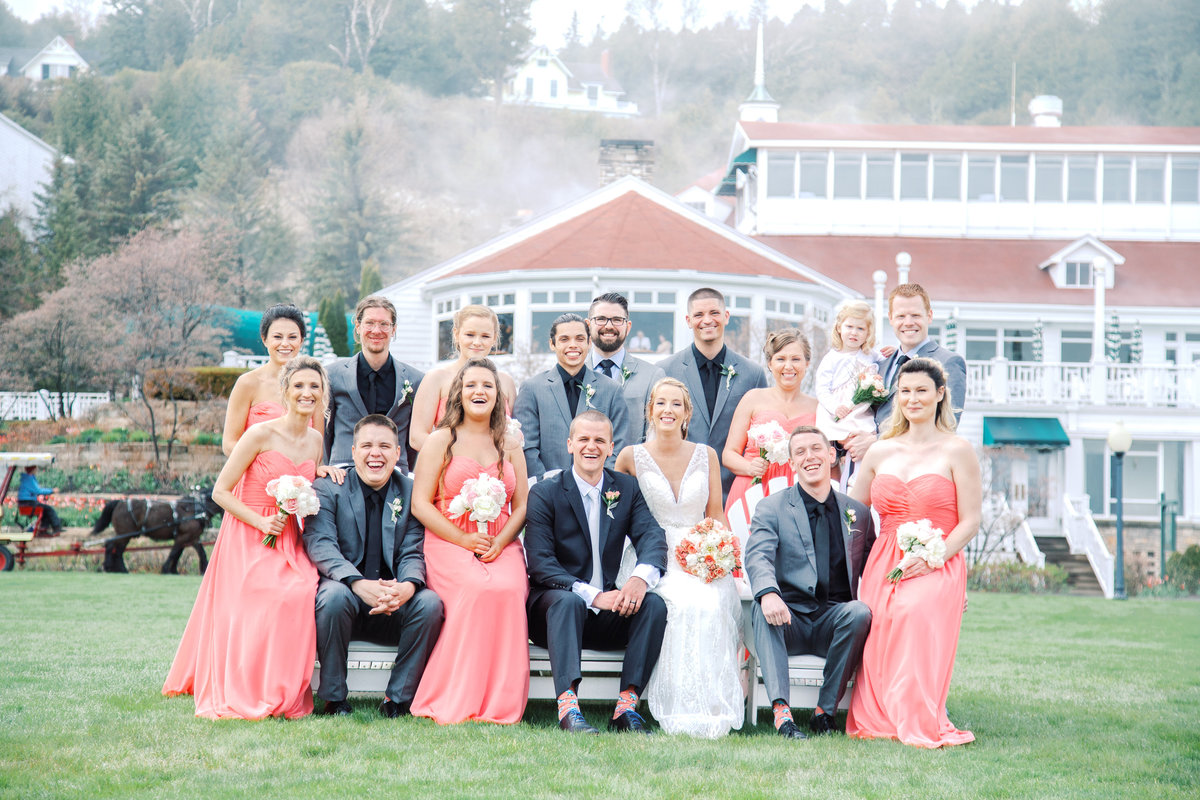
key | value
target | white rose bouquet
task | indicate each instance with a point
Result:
(293, 495)
(483, 498)
(919, 541)
(772, 442)
(709, 551)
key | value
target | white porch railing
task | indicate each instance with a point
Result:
(1083, 537)
(993, 542)
(43, 404)
(1048, 383)
(1026, 546)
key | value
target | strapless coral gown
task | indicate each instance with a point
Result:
(741, 483)
(902, 684)
(249, 644)
(479, 668)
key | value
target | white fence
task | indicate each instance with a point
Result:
(45, 405)
(1049, 383)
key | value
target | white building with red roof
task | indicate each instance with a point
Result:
(545, 80)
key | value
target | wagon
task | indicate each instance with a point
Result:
(10, 463)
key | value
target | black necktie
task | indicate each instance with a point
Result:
(820, 534)
(573, 389)
(374, 548)
(710, 377)
(372, 391)
(606, 368)
(900, 362)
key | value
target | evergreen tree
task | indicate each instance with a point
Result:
(20, 283)
(138, 181)
(64, 227)
(371, 281)
(491, 35)
(332, 316)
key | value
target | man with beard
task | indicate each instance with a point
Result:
(609, 317)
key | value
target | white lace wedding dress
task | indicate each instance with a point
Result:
(695, 688)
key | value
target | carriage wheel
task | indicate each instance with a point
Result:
(6, 559)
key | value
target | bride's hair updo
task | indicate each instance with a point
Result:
(687, 402)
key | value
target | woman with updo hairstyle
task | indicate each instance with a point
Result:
(920, 471)
(788, 354)
(479, 668)
(255, 396)
(476, 334)
(247, 651)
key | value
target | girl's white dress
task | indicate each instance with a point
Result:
(836, 378)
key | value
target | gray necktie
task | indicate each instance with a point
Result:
(591, 504)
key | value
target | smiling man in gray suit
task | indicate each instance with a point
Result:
(715, 376)
(804, 558)
(370, 552)
(610, 323)
(371, 382)
(547, 402)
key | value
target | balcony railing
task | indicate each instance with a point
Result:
(1049, 384)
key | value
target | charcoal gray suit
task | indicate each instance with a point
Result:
(642, 375)
(781, 558)
(956, 379)
(541, 408)
(335, 540)
(346, 409)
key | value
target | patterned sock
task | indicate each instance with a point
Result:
(782, 712)
(626, 701)
(567, 701)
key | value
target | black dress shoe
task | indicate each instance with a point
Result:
(575, 722)
(391, 710)
(788, 730)
(337, 708)
(629, 721)
(822, 724)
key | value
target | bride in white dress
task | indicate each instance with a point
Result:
(696, 687)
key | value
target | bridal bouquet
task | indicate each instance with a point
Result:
(483, 498)
(919, 541)
(513, 434)
(293, 495)
(708, 551)
(772, 442)
(869, 389)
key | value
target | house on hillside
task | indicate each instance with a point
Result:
(58, 59)
(544, 80)
(26, 166)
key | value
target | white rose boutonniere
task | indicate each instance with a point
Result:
(588, 391)
(626, 374)
(851, 517)
(406, 392)
(729, 373)
(397, 508)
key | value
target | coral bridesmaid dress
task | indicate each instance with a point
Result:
(901, 688)
(741, 483)
(479, 668)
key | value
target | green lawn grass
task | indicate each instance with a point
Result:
(1068, 698)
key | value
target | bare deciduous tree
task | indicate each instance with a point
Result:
(363, 25)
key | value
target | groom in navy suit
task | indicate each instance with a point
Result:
(575, 527)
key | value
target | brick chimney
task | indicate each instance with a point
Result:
(606, 63)
(621, 157)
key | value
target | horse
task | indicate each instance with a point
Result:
(184, 520)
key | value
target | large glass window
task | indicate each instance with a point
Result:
(1048, 179)
(1014, 178)
(981, 178)
(1018, 344)
(847, 175)
(880, 169)
(1076, 347)
(947, 177)
(1078, 273)
(812, 174)
(914, 176)
(542, 320)
(1081, 179)
(781, 175)
(1185, 180)
(652, 332)
(1151, 177)
(1118, 172)
(981, 344)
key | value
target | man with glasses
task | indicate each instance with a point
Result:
(371, 382)
(609, 317)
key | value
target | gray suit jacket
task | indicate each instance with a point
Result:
(956, 379)
(780, 556)
(346, 409)
(336, 537)
(714, 430)
(638, 378)
(541, 408)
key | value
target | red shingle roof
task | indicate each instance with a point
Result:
(974, 134)
(1000, 270)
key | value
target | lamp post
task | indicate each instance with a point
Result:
(903, 264)
(879, 278)
(1119, 442)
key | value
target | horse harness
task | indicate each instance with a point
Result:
(175, 522)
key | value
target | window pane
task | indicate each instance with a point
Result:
(947, 180)
(914, 176)
(1018, 344)
(781, 174)
(1081, 179)
(1093, 470)
(1076, 347)
(537, 297)
(879, 176)
(1014, 178)
(741, 302)
(847, 176)
(643, 298)
(666, 297)
(981, 344)
(1047, 180)
(981, 178)
(1151, 174)
(812, 174)
(652, 331)
(1117, 175)
(504, 342)
(562, 297)
(1185, 180)
(446, 340)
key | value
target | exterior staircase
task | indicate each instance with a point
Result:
(1081, 579)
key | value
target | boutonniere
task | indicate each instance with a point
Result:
(851, 517)
(729, 373)
(588, 391)
(406, 392)
(626, 374)
(611, 498)
(397, 508)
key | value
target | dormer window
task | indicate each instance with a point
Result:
(1078, 273)
(541, 62)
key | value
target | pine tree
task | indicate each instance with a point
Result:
(332, 316)
(372, 281)
(138, 181)
(20, 284)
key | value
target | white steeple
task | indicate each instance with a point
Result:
(759, 106)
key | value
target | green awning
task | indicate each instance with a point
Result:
(741, 162)
(1044, 433)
